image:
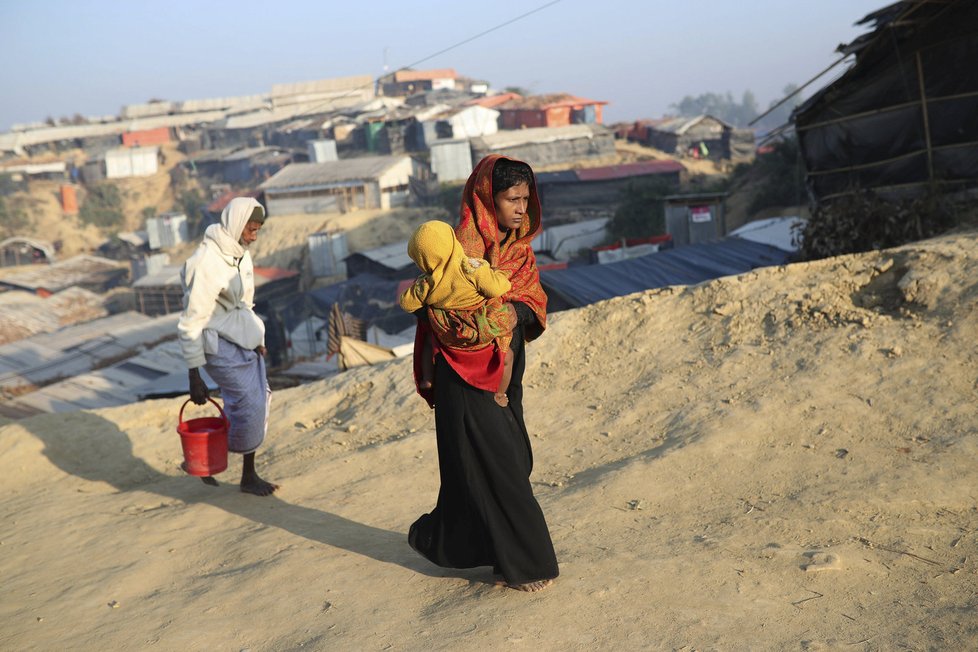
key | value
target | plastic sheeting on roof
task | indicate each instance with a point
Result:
(366, 297)
(780, 232)
(903, 116)
(688, 265)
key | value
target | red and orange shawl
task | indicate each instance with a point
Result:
(478, 233)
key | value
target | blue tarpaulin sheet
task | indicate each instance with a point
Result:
(687, 265)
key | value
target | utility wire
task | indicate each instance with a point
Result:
(350, 92)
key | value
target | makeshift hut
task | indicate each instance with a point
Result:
(588, 193)
(553, 110)
(904, 116)
(344, 185)
(701, 136)
(546, 146)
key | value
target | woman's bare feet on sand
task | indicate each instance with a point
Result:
(501, 399)
(253, 484)
(529, 587)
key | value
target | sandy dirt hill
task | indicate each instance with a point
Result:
(48, 222)
(784, 460)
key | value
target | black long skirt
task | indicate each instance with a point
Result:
(486, 514)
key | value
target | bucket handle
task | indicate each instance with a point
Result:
(223, 416)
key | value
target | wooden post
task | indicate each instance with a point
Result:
(923, 109)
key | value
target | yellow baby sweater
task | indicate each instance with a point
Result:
(451, 280)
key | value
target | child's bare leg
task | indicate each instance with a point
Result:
(500, 396)
(427, 366)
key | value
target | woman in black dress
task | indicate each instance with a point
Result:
(486, 514)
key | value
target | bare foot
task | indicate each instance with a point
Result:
(501, 399)
(207, 479)
(253, 484)
(531, 587)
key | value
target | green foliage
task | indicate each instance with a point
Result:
(864, 221)
(641, 212)
(13, 219)
(191, 203)
(102, 206)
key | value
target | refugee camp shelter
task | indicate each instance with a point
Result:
(402, 83)
(597, 192)
(123, 162)
(25, 251)
(24, 314)
(253, 164)
(582, 285)
(161, 292)
(695, 218)
(90, 365)
(451, 160)
(89, 272)
(342, 186)
(460, 122)
(905, 114)
(702, 136)
(553, 110)
(389, 262)
(545, 146)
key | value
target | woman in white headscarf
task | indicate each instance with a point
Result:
(220, 331)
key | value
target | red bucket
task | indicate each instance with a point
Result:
(205, 443)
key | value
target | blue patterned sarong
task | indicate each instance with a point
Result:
(240, 374)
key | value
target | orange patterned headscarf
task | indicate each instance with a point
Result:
(478, 232)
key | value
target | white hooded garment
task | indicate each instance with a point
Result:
(219, 289)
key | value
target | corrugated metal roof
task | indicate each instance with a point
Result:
(493, 101)
(15, 141)
(43, 245)
(586, 284)
(424, 75)
(250, 152)
(683, 124)
(24, 314)
(75, 350)
(551, 101)
(514, 137)
(64, 274)
(625, 170)
(159, 371)
(393, 256)
(305, 175)
(337, 84)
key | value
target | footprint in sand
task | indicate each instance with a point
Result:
(821, 561)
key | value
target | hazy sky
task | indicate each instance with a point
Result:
(93, 56)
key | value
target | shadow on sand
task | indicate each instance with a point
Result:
(104, 454)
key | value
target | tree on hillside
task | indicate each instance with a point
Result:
(13, 219)
(102, 206)
(781, 115)
(720, 106)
